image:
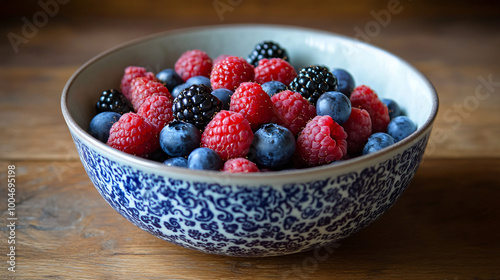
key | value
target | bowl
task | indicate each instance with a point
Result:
(259, 214)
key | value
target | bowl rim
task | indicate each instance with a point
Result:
(149, 164)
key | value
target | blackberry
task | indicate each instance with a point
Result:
(311, 82)
(114, 101)
(196, 105)
(266, 49)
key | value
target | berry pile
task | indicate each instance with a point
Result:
(252, 114)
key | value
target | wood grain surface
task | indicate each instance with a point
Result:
(445, 226)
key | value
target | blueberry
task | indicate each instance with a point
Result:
(378, 141)
(176, 161)
(158, 155)
(273, 87)
(334, 104)
(178, 139)
(204, 159)
(400, 127)
(170, 78)
(199, 80)
(345, 81)
(224, 96)
(393, 107)
(101, 124)
(273, 146)
(178, 89)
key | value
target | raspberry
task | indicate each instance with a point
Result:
(358, 128)
(136, 82)
(220, 57)
(157, 110)
(131, 73)
(229, 134)
(250, 100)
(193, 63)
(142, 89)
(240, 165)
(134, 135)
(274, 69)
(230, 72)
(292, 110)
(364, 97)
(321, 141)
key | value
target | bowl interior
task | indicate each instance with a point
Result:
(388, 75)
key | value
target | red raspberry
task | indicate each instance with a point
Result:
(134, 135)
(157, 110)
(131, 73)
(274, 69)
(321, 141)
(365, 98)
(292, 110)
(230, 72)
(220, 58)
(136, 82)
(229, 134)
(250, 100)
(240, 165)
(358, 128)
(142, 89)
(193, 63)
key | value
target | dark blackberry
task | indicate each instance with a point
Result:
(196, 105)
(311, 82)
(114, 101)
(266, 49)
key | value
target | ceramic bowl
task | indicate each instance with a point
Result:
(264, 214)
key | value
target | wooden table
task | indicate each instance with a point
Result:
(445, 226)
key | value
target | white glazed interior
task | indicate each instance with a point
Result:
(387, 74)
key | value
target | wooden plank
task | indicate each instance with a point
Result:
(443, 227)
(32, 123)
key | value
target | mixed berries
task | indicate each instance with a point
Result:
(243, 115)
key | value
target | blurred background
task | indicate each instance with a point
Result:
(410, 20)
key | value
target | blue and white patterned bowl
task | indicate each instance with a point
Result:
(265, 214)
